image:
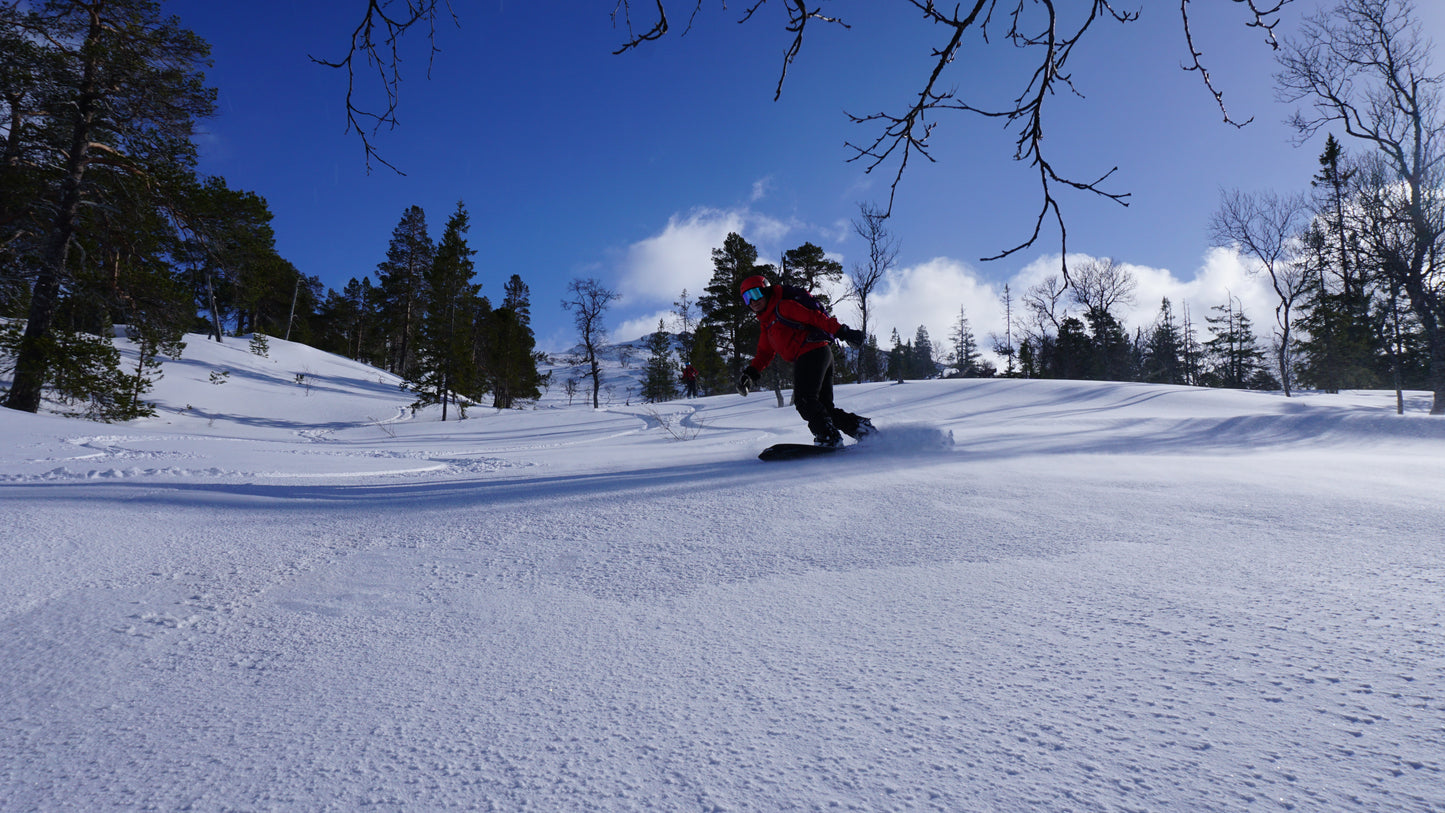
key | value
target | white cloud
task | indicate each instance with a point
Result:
(640, 326)
(658, 268)
(655, 270)
(1223, 273)
(931, 294)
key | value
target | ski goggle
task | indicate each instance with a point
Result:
(752, 295)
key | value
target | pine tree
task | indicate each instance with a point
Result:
(809, 268)
(723, 309)
(131, 282)
(345, 319)
(517, 298)
(687, 323)
(113, 89)
(227, 232)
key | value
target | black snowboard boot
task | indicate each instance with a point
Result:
(826, 434)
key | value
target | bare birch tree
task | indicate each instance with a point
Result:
(588, 303)
(864, 277)
(1266, 227)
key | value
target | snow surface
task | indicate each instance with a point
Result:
(284, 594)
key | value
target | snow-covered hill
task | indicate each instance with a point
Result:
(286, 591)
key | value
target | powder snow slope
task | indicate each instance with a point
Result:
(287, 593)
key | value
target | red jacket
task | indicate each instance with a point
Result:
(780, 338)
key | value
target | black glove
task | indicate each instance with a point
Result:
(747, 380)
(851, 336)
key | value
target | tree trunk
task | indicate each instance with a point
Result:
(215, 312)
(295, 294)
(1425, 302)
(32, 362)
(1437, 375)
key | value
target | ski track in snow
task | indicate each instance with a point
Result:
(1103, 598)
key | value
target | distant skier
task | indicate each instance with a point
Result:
(797, 328)
(689, 381)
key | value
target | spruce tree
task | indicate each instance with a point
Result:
(658, 382)
(441, 370)
(402, 282)
(898, 358)
(712, 369)
(1339, 349)
(1073, 352)
(1332, 189)
(510, 357)
(1234, 358)
(1028, 365)
(921, 364)
(1112, 357)
(965, 348)
(1163, 361)
(870, 359)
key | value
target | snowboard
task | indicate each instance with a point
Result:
(794, 451)
(907, 440)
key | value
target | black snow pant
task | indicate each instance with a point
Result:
(813, 396)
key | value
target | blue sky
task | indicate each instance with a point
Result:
(575, 162)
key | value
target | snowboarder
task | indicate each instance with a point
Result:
(689, 380)
(797, 328)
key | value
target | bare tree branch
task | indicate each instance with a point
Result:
(908, 132)
(798, 17)
(1034, 25)
(1265, 18)
(375, 47)
(656, 32)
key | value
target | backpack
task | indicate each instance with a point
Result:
(802, 297)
